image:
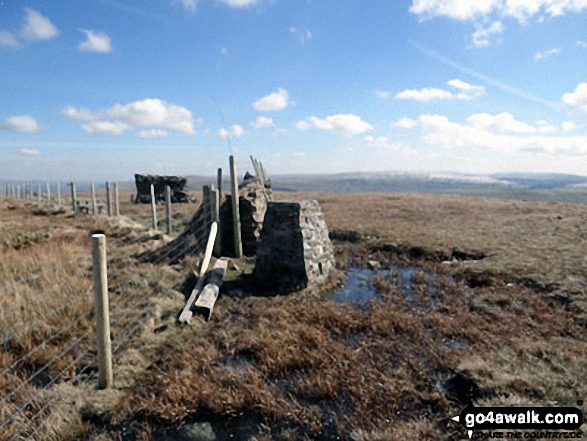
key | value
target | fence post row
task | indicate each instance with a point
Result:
(236, 223)
(168, 208)
(105, 377)
(153, 208)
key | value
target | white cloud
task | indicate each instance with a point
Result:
(302, 125)
(37, 27)
(28, 152)
(274, 101)
(188, 5)
(502, 122)
(548, 53)
(262, 122)
(82, 113)
(581, 44)
(384, 94)
(148, 113)
(346, 124)
(109, 127)
(21, 124)
(299, 154)
(235, 131)
(440, 131)
(405, 123)
(569, 126)
(153, 133)
(466, 92)
(239, 3)
(383, 142)
(521, 10)
(482, 36)
(303, 35)
(7, 39)
(578, 98)
(95, 42)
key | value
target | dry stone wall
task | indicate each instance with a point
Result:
(294, 250)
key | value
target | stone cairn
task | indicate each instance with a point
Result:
(252, 206)
(294, 250)
(177, 185)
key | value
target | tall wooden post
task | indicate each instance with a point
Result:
(105, 377)
(58, 183)
(48, 192)
(93, 197)
(108, 199)
(116, 202)
(38, 193)
(73, 198)
(18, 191)
(219, 184)
(236, 222)
(215, 209)
(168, 209)
(153, 207)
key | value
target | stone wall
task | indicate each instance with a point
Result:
(177, 185)
(252, 207)
(294, 250)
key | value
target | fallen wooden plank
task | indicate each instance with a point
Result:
(208, 296)
(186, 314)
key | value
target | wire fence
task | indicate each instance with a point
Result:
(37, 361)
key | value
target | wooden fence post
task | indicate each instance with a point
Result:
(73, 198)
(58, 183)
(116, 202)
(215, 209)
(108, 199)
(48, 192)
(219, 184)
(153, 208)
(168, 208)
(93, 197)
(38, 193)
(236, 222)
(105, 377)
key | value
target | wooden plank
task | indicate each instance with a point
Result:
(207, 298)
(186, 314)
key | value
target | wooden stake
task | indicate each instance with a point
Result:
(58, 193)
(39, 194)
(73, 198)
(108, 199)
(116, 202)
(219, 184)
(93, 197)
(168, 209)
(48, 192)
(215, 210)
(236, 223)
(153, 207)
(105, 377)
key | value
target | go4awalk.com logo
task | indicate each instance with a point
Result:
(536, 422)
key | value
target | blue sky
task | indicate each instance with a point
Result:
(103, 89)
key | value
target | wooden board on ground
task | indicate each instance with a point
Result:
(215, 274)
(208, 296)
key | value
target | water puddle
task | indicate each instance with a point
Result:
(359, 284)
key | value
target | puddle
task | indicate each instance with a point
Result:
(359, 284)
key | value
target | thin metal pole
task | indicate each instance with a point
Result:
(105, 377)
(236, 222)
(168, 208)
(153, 207)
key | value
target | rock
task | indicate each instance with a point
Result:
(176, 183)
(373, 264)
(200, 432)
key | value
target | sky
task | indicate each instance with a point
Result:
(103, 89)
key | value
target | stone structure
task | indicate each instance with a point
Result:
(252, 207)
(177, 185)
(294, 250)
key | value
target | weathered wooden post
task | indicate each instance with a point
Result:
(73, 198)
(93, 197)
(58, 183)
(48, 192)
(108, 199)
(18, 191)
(219, 184)
(153, 207)
(116, 202)
(168, 209)
(236, 222)
(39, 193)
(105, 377)
(215, 214)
